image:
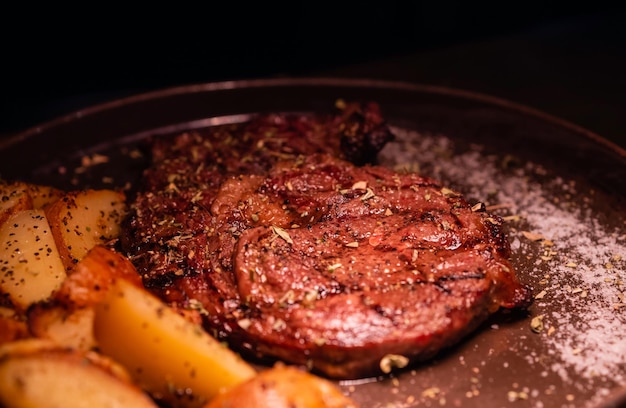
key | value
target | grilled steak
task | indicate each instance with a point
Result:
(295, 253)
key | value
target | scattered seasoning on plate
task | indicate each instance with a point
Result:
(578, 274)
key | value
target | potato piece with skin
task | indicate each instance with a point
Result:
(93, 275)
(14, 197)
(30, 264)
(18, 196)
(43, 196)
(72, 328)
(172, 358)
(284, 386)
(41, 375)
(81, 220)
(12, 326)
(68, 318)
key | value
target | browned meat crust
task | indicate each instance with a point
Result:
(297, 254)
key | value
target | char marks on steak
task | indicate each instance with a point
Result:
(295, 253)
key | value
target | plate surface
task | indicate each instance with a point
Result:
(561, 189)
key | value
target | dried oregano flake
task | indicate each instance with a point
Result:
(282, 233)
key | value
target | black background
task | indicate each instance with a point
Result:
(566, 58)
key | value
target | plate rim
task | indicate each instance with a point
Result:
(312, 81)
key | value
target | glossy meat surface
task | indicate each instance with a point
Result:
(295, 253)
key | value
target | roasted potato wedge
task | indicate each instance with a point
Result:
(31, 266)
(25, 347)
(172, 358)
(68, 317)
(12, 326)
(38, 374)
(283, 386)
(89, 281)
(18, 196)
(14, 198)
(72, 328)
(43, 196)
(81, 220)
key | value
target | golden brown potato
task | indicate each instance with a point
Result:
(18, 196)
(14, 198)
(284, 387)
(93, 275)
(68, 327)
(41, 375)
(12, 326)
(172, 358)
(81, 220)
(31, 264)
(43, 196)
(26, 347)
(68, 318)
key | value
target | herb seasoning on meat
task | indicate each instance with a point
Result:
(298, 247)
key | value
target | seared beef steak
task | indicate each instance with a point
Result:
(295, 253)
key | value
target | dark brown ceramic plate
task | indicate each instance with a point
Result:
(561, 189)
